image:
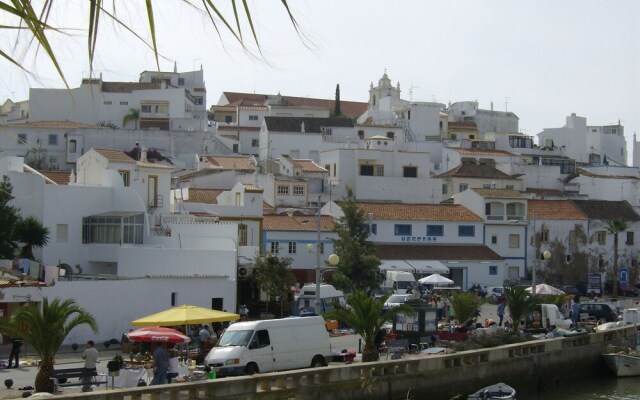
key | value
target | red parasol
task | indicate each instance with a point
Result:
(158, 334)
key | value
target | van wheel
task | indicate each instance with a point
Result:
(251, 369)
(318, 361)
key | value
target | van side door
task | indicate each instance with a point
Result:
(261, 351)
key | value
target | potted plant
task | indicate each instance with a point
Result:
(115, 365)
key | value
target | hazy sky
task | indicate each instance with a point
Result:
(540, 59)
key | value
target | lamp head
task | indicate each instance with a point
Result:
(310, 247)
(334, 259)
(546, 255)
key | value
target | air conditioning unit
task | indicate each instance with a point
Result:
(245, 271)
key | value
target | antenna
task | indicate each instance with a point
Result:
(411, 91)
(506, 104)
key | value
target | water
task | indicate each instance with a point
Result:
(602, 388)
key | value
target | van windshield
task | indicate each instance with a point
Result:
(235, 338)
(404, 284)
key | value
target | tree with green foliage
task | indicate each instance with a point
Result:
(274, 277)
(132, 115)
(9, 217)
(366, 315)
(359, 266)
(44, 329)
(614, 227)
(465, 305)
(520, 303)
(30, 233)
(22, 17)
(337, 111)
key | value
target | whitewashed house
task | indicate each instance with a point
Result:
(470, 175)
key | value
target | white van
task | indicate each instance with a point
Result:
(399, 281)
(306, 301)
(270, 345)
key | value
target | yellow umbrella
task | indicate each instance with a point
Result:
(185, 315)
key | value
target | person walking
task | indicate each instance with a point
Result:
(90, 357)
(501, 311)
(16, 344)
(160, 365)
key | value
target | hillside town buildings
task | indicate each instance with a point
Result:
(145, 189)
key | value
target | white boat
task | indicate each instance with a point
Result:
(499, 391)
(623, 363)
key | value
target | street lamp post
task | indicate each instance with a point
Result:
(333, 261)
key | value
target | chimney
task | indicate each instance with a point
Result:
(143, 154)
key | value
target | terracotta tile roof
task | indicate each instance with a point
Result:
(476, 171)
(240, 163)
(499, 193)
(231, 128)
(435, 252)
(54, 125)
(311, 124)
(471, 125)
(606, 210)
(349, 108)
(305, 165)
(554, 210)
(419, 212)
(544, 192)
(147, 164)
(592, 174)
(267, 208)
(206, 196)
(283, 179)
(128, 87)
(482, 152)
(250, 188)
(297, 223)
(59, 177)
(115, 156)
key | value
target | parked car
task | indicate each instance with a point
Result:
(627, 291)
(396, 300)
(494, 293)
(599, 311)
(569, 289)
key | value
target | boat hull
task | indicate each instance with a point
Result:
(623, 364)
(500, 391)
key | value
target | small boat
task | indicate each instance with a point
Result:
(499, 391)
(623, 363)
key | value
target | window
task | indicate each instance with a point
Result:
(107, 102)
(435, 230)
(62, 233)
(292, 247)
(283, 189)
(371, 170)
(22, 139)
(493, 270)
(228, 119)
(360, 134)
(275, 247)
(494, 239)
(53, 140)
(255, 142)
(126, 177)
(328, 131)
(374, 228)
(242, 235)
(390, 135)
(514, 241)
(629, 239)
(486, 186)
(145, 108)
(445, 190)
(509, 187)
(113, 229)
(298, 190)
(462, 187)
(602, 237)
(253, 117)
(72, 145)
(466, 230)
(124, 103)
(402, 230)
(410, 172)
(321, 248)
(261, 340)
(180, 81)
(544, 236)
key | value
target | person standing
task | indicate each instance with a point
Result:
(90, 357)
(16, 344)
(173, 371)
(501, 311)
(160, 365)
(204, 334)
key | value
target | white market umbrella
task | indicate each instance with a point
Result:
(435, 279)
(543, 288)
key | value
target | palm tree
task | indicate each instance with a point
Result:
(465, 305)
(520, 303)
(615, 226)
(45, 329)
(31, 233)
(366, 315)
(132, 115)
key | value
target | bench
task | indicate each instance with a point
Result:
(60, 377)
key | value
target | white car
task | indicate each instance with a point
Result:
(494, 293)
(396, 300)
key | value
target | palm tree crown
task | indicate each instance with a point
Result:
(31, 233)
(614, 227)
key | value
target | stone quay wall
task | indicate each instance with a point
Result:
(539, 363)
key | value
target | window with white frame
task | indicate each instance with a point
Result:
(602, 237)
(292, 247)
(544, 235)
(124, 103)
(53, 140)
(462, 187)
(253, 117)
(145, 108)
(242, 235)
(198, 100)
(283, 190)
(107, 102)
(255, 142)
(275, 247)
(298, 190)
(514, 241)
(493, 270)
